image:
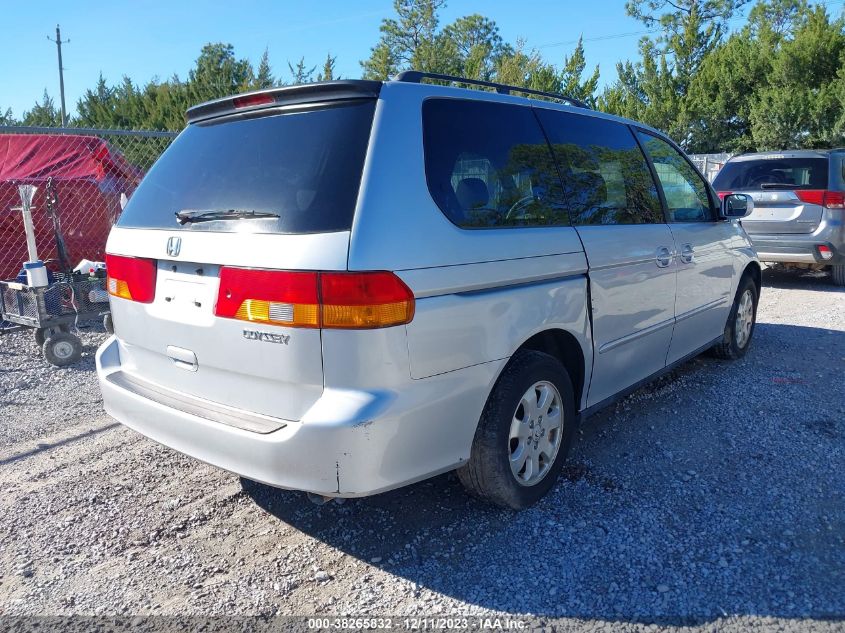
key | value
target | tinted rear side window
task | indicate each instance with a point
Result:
(304, 166)
(605, 176)
(773, 173)
(488, 165)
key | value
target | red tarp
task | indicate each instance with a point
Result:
(88, 178)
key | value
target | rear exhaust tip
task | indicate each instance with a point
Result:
(318, 500)
(321, 500)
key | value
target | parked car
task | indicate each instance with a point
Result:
(799, 206)
(347, 287)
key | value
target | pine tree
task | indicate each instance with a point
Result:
(327, 74)
(300, 73)
(264, 74)
(571, 82)
(7, 118)
(43, 113)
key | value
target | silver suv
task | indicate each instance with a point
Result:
(350, 286)
(799, 206)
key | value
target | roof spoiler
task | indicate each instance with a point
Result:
(286, 95)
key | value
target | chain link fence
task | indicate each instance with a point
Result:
(83, 178)
(710, 164)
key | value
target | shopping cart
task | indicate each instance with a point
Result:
(53, 310)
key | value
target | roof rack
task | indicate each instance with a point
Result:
(416, 76)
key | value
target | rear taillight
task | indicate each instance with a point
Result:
(312, 299)
(825, 252)
(834, 199)
(132, 278)
(722, 194)
(364, 300)
(268, 296)
(821, 197)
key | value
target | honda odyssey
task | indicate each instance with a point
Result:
(346, 287)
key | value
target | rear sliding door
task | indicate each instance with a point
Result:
(614, 205)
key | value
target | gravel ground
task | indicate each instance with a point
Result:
(713, 498)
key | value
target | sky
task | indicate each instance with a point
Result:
(153, 38)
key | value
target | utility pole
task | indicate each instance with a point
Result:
(58, 42)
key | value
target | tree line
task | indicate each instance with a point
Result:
(776, 82)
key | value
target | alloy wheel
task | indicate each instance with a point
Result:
(536, 433)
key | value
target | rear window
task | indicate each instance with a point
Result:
(304, 166)
(773, 173)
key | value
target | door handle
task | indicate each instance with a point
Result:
(687, 253)
(183, 358)
(663, 257)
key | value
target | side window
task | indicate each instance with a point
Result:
(605, 176)
(488, 165)
(684, 189)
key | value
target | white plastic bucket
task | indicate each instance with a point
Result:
(36, 274)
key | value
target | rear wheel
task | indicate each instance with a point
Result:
(62, 349)
(837, 274)
(741, 321)
(42, 333)
(524, 434)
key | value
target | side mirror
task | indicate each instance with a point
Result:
(736, 205)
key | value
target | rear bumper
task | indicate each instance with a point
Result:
(351, 442)
(801, 249)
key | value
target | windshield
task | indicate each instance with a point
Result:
(296, 172)
(773, 173)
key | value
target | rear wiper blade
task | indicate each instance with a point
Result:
(187, 215)
(777, 185)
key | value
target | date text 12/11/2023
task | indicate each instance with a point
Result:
(419, 623)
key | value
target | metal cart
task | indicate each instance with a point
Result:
(53, 309)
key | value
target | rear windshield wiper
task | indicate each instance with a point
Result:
(186, 215)
(778, 185)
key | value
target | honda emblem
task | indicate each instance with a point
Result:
(174, 245)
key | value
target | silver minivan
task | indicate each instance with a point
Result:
(350, 286)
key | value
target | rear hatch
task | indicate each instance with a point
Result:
(258, 183)
(783, 188)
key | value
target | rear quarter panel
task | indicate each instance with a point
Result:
(480, 293)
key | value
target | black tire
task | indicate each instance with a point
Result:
(488, 473)
(108, 324)
(729, 348)
(42, 333)
(837, 274)
(62, 349)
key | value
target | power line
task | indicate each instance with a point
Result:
(616, 36)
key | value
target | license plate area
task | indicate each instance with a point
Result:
(186, 293)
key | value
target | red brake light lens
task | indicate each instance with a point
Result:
(722, 194)
(132, 278)
(269, 296)
(252, 100)
(834, 199)
(821, 197)
(811, 196)
(312, 299)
